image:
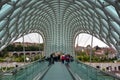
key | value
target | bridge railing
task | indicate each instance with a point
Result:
(27, 72)
(86, 72)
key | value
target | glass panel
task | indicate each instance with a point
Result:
(86, 11)
(5, 38)
(97, 30)
(2, 33)
(15, 13)
(101, 13)
(103, 34)
(91, 11)
(96, 25)
(102, 1)
(5, 10)
(12, 29)
(87, 4)
(13, 21)
(115, 26)
(31, 3)
(2, 24)
(86, 72)
(25, 11)
(97, 21)
(112, 40)
(112, 11)
(105, 23)
(115, 35)
(105, 29)
(26, 72)
(90, 19)
(20, 20)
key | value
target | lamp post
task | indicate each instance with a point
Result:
(39, 47)
(91, 49)
(24, 49)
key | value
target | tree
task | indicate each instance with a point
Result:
(97, 48)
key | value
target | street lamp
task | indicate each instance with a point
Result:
(24, 49)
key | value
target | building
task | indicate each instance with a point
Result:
(25, 44)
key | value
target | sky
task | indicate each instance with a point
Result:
(85, 39)
(32, 38)
(82, 40)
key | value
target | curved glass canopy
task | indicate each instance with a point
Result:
(59, 21)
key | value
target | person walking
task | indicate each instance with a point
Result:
(63, 58)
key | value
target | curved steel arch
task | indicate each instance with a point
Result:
(59, 21)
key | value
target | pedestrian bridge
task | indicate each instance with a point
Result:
(40, 70)
(59, 22)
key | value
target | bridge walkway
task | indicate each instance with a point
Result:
(58, 71)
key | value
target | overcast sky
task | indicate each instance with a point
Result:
(32, 38)
(85, 39)
(81, 40)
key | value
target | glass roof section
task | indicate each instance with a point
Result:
(59, 21)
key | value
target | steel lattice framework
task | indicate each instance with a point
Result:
(60, 21)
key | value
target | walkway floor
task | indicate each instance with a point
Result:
(58, 71)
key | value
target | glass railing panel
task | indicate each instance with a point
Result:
(27, 72)
(87, 72)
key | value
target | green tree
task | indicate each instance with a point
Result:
(19, 48)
